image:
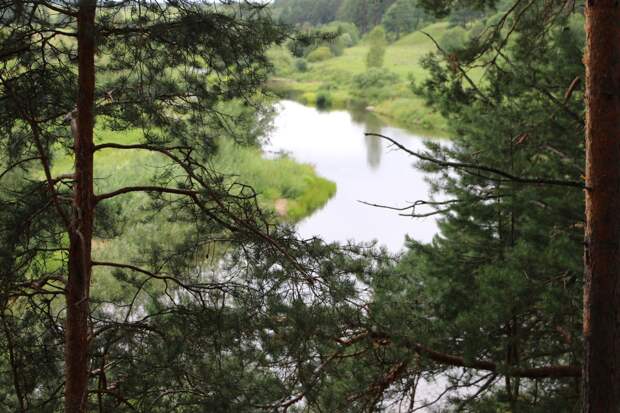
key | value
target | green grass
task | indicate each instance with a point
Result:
(396, 104)
(275, 179)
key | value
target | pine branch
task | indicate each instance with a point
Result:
(446, 359)
(18, 163)
(242, 224)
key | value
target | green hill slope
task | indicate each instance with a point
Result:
(335, 82)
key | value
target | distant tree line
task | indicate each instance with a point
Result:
(315, 12)
(364, 13)
(397, 16)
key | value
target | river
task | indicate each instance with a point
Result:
(364, 169)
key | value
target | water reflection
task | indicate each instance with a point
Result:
(371, 124)
(373, 151)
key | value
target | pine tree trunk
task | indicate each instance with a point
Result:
(77, 295)
(601, 374)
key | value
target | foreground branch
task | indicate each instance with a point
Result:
(554, 371)
(488, 169)
(483, 365)
(157, 189)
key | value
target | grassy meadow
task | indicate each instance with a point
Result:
(272, 179)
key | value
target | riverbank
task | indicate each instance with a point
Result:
(291, 189)
(343, 82)
(273, 179)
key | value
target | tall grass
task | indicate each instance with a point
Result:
(274, 179)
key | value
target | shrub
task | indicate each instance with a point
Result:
(320, 54)
(454, 39)
(348, 30)
(378, 45)
(476, 30)
(281, 59)
(323, 100)
(375, 57)
(301, 65)
(337, 46)
(347, 40)
(296, 48)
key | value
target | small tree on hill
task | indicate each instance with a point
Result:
(378, 45)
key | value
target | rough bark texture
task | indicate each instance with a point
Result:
(601, 376)
(76, 329)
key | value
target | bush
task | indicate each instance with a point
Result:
(476, 30)
(378, 45)
(301, 65)
(454, 39)
(375, 57)
(281, 59)
(323, 100)
(337, 46)
(320, 54)
(349, 31)
(296, 48)
(347, 40)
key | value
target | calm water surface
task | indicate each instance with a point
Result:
(363, 168)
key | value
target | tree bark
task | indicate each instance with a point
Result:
(601, 375)
(80, 237)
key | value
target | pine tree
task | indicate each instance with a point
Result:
(600, 387)
(602, 269)
(497, 294)
(71, 74)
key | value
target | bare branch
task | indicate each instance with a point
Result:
(556, 371)
(139, 146)
(159, 189)
(476, 167)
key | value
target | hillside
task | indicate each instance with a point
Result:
(338, 81)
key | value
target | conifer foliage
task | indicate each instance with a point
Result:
(99, 314)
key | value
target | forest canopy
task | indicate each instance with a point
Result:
(143, 266)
